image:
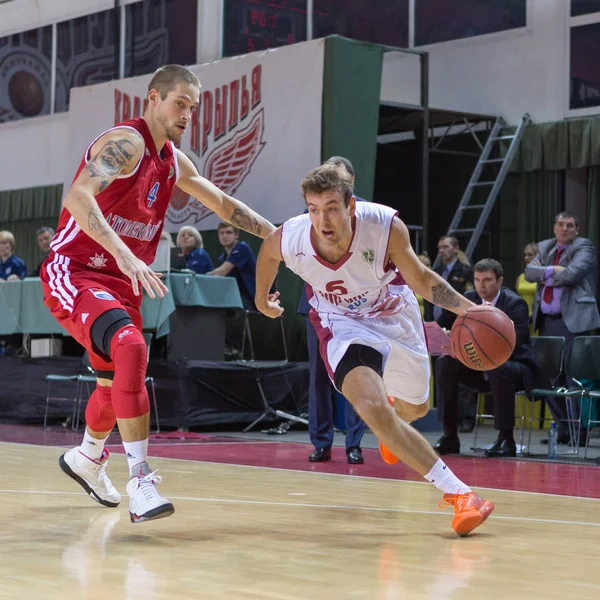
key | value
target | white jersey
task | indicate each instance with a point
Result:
(362, 299)
(362, 283)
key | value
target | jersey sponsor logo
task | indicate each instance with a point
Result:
(368, 256)
(153, 193)
(98, 261)
(135, 229)
(226, 150)
(102, 295)
(84, 317)
(337, 294)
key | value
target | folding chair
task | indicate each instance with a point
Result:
(583, 363)
(548, 351)
(79, 380)
(593, 356)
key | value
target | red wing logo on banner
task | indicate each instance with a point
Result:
(227, 166)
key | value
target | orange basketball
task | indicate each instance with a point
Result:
(483, 338)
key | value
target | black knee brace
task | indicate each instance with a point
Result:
(105, 326)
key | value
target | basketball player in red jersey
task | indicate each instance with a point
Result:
(93, 278)
(361, 272)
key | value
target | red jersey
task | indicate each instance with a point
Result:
(134, 205)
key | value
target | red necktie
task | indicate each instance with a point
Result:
(549, 290)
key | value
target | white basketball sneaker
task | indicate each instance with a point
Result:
(145, 503)
(91, 476)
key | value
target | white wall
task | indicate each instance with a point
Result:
(506, 73)
(33, 151)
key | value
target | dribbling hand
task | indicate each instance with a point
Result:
(139, 272)
(272, 308)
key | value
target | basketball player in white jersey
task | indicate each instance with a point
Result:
(361, 273)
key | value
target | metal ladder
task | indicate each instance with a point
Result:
(494, 185)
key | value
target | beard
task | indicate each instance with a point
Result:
(174, 134)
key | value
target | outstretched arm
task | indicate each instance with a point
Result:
(420, 279)
(267, 266)
(115, 153)
(229, 209)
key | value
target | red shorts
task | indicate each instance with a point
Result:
(76, 298)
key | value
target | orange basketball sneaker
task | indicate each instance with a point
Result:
(470, 511)
(388, 457)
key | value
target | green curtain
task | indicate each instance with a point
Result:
(557, 146)
(527, 204)
(23, 212)
(593, 212)
(350, 120)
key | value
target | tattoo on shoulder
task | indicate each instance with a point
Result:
(443, 295)
(113, 157)
(244, 220)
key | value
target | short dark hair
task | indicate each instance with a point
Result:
(167, 77)
(44, 229)
(328, 177)
(226, 225)
(453, 240)
(489, 264)
(566, 215)
(340, 161)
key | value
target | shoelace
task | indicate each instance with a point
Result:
(454, 500)
(148, 487)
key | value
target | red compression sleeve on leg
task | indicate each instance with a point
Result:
(129, 353)
(99, 413)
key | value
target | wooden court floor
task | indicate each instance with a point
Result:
(245, 533)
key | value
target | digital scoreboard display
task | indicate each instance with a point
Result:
(251, 25)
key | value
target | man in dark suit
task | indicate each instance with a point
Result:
(520, 372)
(460, 277)
(564, 304)
(320, 390)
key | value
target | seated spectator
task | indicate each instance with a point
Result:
(520, 372)
(237, 261)
(196, 257)
(12, 268)
(44, 236)
(524, 288)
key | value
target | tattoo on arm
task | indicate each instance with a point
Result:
(443, 295)
(111, 160)
(244, 220)
(94, 221)
(103, 185)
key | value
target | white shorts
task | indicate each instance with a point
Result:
(400, 338)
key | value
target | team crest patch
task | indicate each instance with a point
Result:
(368, 256)
(102, 295)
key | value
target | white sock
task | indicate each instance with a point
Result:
(91, 447)
(137, 457)
(445, 480)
